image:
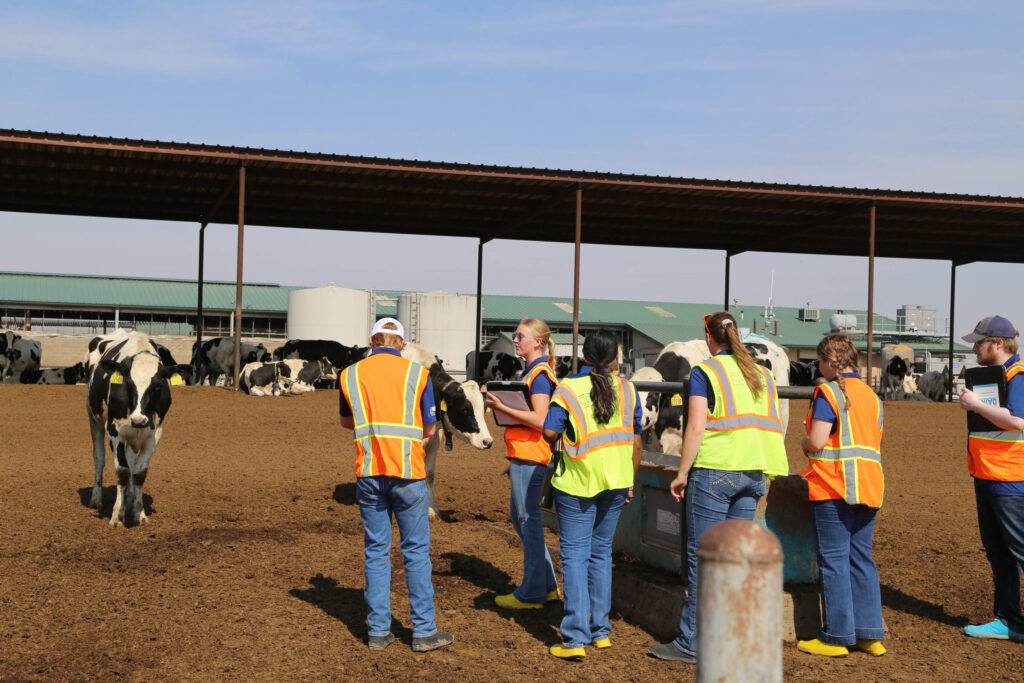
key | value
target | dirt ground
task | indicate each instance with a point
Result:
(251, 564)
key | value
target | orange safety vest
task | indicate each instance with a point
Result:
(998, 455)
(527, 443)
(384, 392)
(849, 467)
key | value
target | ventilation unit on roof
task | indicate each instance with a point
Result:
(809, 315)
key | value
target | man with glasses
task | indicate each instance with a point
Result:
(996, 461)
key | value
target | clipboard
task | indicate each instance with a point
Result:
(989, 383)
(512, 394)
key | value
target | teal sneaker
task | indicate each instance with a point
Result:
(996, 630)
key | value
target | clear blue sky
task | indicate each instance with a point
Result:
(911, 95)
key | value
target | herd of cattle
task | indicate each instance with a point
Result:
(130, 376)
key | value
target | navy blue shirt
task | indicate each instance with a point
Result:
(821, 410)
(558, 417)
(700, 385)
(426, 403)
(541, 383)
(1015, 404)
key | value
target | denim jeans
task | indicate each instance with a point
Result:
(711, 497)
(527, 480)
(849, 578)
(379, 498)
(585, 530)
(1001, 522)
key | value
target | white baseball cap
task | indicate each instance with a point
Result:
(378, 327)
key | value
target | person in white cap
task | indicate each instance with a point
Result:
(388, 402)
(996, 461)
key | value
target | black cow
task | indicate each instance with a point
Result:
(339, 355)
(460, 409)
(492, 365)
(128, 398)
(217, 358)
(804, 373)
(70, 375)
(894, 371)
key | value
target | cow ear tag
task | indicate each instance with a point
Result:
(176, 380)
(677, 400)
(444, 404)
(116, 378)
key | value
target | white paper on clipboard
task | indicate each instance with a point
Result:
(513, 395)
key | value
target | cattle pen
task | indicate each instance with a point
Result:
(251, 563)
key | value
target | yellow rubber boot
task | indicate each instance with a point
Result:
(816, 647)
(564, 652)
(510, 601)
(603, 643)
(872, 647)
(552, 596)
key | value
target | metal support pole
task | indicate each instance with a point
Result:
(479, 308)
(952, 312)
(199, 300)
(871, 293)
(728, 259)
(576, 280)
(739, 605)
(238, 278)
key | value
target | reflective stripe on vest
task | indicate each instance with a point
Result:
(527, 443)
(590, 436)
(397, 442)
(998, 455)
(850, 465)
(730, 419)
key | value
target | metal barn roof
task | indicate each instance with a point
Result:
(99, 176)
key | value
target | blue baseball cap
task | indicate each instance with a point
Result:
(993, 326)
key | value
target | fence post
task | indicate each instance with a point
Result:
(739, 603)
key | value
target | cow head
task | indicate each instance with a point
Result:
(649, 400)
(462, 412)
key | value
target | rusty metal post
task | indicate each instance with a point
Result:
(238, 278)
(576, 280)
(871, 293)
(952, 310)
(739, 603)
(728, 259)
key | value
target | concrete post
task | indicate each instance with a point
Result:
(739, 603)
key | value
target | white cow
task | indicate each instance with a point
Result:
(460, 411)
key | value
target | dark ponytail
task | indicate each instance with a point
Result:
(600, 350)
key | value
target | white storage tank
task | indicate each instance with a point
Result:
(331, 312)
(841, 322)
(444, 323)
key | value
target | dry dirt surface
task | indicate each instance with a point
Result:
(251, 564)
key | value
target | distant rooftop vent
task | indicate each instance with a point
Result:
(564, 306)
(809, 315)
(660, 311)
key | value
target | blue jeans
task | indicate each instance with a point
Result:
(712, 496)
(1001, 522)
(585, 530)
(527, 480)
(849, 578)
(379, 498)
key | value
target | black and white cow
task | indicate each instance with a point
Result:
(7, 341)
(339, 355)
(493, 365)
(291, 376)
(563, 366)
(649, 400)
(128, 398)
(70, 375)
(934, 385)
(25, 356)
(460, 410)
(894, 371)
(676, 361)
(217, 358)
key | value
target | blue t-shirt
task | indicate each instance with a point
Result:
(1015, 404)
(700, 384)
(426, 403)
(541, 383)
(822, 410)
(558, 417)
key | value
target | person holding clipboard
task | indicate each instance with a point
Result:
(995, 458)
(528, 455)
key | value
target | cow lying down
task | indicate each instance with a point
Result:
(291, 376)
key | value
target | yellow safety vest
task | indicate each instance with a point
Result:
(742, 432)
(598, 457)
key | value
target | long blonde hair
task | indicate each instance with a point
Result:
(839, 352)
(541, 331)
(722, 328)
